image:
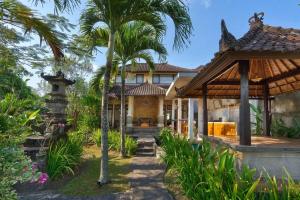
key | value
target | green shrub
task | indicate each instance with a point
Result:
(63, 156)
(210, 173)
(14, 167)
(114, 141)
(16, 118)
(279, 128)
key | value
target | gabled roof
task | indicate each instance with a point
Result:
(160, 68)
(146, 89)
(274, 56)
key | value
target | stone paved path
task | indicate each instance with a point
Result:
(146, 179)
(50, 195)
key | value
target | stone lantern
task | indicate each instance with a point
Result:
(55, 117)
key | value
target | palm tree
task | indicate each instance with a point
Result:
(133, 41)
(113, 14)
(15, 14)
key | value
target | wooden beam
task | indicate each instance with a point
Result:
(266, 113)
(284, 75)
(233, 83)
(205, 113)
(244, 123)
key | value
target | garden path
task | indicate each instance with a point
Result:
(146, 179)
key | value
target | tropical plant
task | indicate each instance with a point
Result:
(16, 14)
(114, 14)
(114, 142)
(208, 173)
(63, 156)
(258, 118)
(279, 128)
(16, 118)
(133, 41)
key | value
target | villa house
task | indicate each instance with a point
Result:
(147, 106)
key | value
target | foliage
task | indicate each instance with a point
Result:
(114, 141)
(14, 167)
(63, 156)
(208, 173)
(258, 118)
(18, 15)
(279, 128)
(16, 118)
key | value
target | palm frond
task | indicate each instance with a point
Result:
(16, 14)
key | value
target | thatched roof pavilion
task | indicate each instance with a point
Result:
(265, 62)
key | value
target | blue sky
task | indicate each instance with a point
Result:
(206, 16)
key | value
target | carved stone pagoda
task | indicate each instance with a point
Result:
(55, 117)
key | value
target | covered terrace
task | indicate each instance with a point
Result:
(263, 63)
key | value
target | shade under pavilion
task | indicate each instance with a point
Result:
(265, 62)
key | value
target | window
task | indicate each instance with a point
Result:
(140, 78)
(155, 78)
(162, 78)
(166, 78)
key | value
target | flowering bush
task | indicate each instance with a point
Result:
(16, 167)
(15, 118)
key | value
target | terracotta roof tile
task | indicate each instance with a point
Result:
(146, 89)
(143, 67)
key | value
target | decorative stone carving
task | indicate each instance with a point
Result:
(227, 40)
(55, 117)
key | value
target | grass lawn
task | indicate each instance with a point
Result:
(84, 182)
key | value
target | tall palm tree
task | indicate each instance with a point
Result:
(133, 41)
(113, 14)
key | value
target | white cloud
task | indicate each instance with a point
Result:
(206, 3)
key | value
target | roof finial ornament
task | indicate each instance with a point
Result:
(227, 40)
(256, 20)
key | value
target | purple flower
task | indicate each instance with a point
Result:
(43, 178)
(34, 166)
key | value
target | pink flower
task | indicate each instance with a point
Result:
(43, 178)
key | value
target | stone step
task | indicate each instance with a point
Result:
(36, 141)
(145, 154)
(33, 151)
(145, 149)
(146, 144)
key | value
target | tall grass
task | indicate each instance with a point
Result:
(114, 141)
(63, 156)
(208, 173)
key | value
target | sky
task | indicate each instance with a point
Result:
(206, 18)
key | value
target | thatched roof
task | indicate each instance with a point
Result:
(274, 56)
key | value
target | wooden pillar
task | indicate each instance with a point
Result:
(205, 113)
(244, 123)
(179, 115)
(266, 113)
(191, 119)
(200, 116)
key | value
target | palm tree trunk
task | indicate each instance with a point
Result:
(104, 113)
(123, 111)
